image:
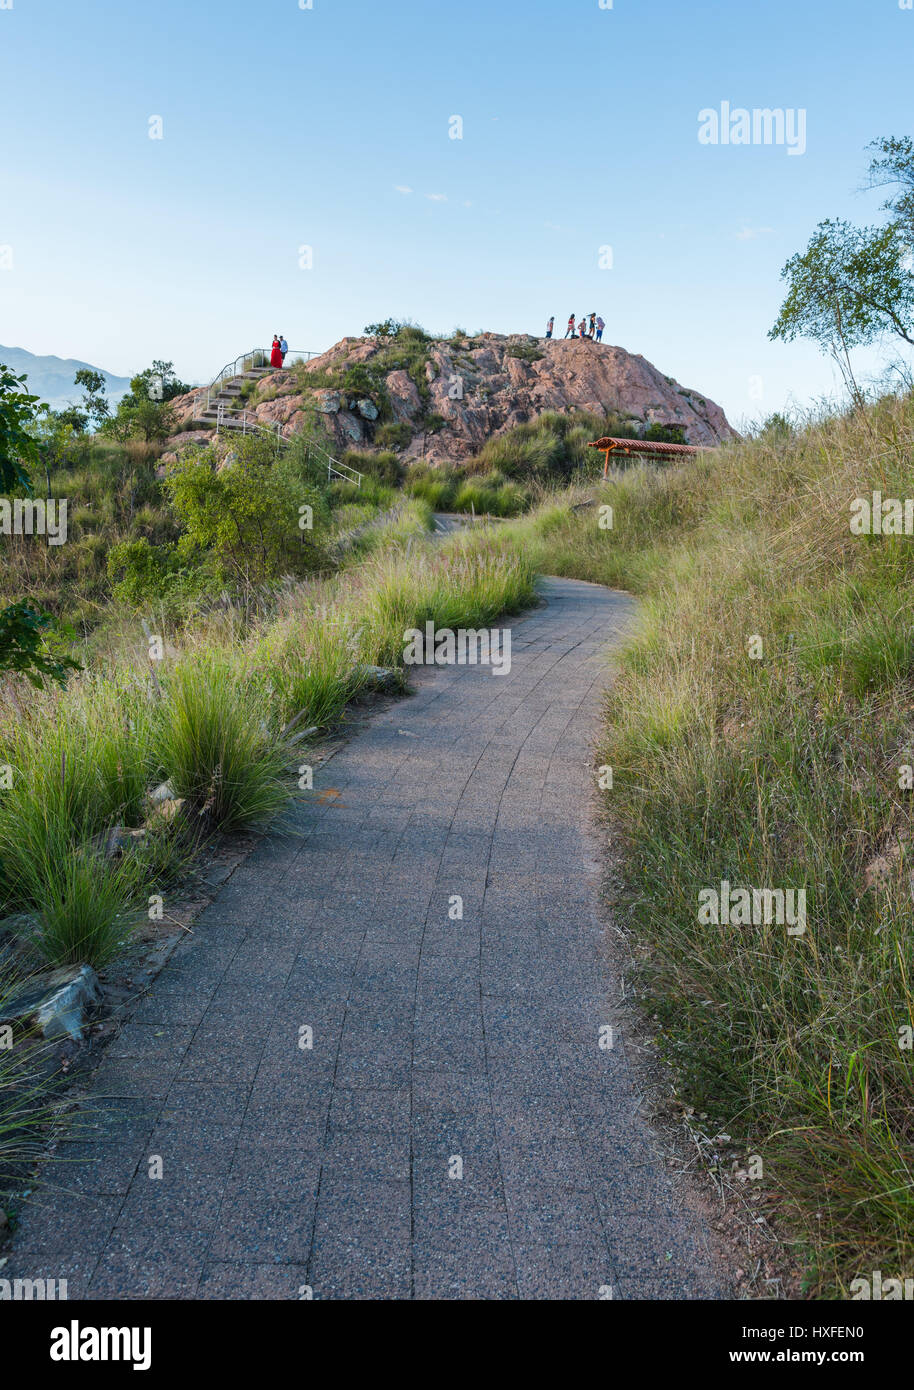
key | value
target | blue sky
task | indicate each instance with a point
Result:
(285, 127)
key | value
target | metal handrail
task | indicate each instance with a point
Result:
(336, 469)
(251, 425)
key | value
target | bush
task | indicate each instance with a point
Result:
(475, 496)
(526, 352)
(553, 447)
(138, 572)
(384, 467)
(438, 491)
(87, 909)
(311, 667)
(248, 512)
(664, 434)
(80, 768)
(215, 746)
(393, 436)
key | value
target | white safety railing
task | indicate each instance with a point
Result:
(336, 469)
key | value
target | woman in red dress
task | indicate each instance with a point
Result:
(276, 354)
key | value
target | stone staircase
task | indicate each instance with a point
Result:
(221, 407)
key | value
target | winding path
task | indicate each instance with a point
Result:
(454, 1129)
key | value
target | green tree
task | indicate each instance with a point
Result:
(72, 418)
(250, 512)
(24, 629)
(851, 285)
(157, 383)
(95, 403)
(145, 411)
(894, 168)
(18, 445)
(855, 285)
(61, 436)
(152, 419)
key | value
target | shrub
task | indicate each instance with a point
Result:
(384, 467)
(311, 665)
(214, 743)
(248, 512)
(393, 435)
(438, 492)
(475, 496)
(137, 571)
(87, 908)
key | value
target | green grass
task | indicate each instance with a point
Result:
(87, 908)
(214, 745)
(782, 771)
(80, 766)
(220, 717)
(25, 1093)
(482, 499)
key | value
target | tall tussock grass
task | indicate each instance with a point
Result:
(785, 771)
(215, 744)
(78, 766)
(220, 719)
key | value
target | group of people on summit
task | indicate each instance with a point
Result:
(592, 330)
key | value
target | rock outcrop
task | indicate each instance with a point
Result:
(455, 394)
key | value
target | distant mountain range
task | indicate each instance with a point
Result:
(51, 378)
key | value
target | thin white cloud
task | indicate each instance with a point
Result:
(753, 233)
(402, 188)
(436, 197)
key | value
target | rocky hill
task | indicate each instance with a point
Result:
(441, 399)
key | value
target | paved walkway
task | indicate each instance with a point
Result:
(454, 1129)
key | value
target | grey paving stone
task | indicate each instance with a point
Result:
(92, 1169)
(362, 1241)
(224, 1280)
(148, 1262)
(264, 1231)
(182, 1199)
(66, 1224)
(467, 1255)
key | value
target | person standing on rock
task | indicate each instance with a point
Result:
(569, 331)
(593, 325)
(283, 347)
(276, 353)
(549, 327)
(582, 329)
(600, 326)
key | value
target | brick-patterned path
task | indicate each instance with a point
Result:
(437, 1043)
